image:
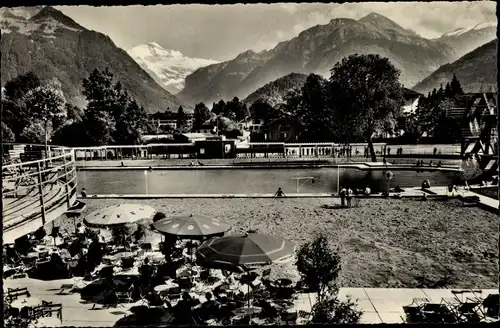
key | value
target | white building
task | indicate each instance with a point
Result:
(410, 101)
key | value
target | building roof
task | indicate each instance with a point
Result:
(411, 93)
(198, 136)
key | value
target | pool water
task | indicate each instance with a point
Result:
(228, 181)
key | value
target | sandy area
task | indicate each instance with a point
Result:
(383, 242)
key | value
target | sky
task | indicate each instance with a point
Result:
(221, 32)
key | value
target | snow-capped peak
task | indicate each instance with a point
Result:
(463, 30)
(168, 67)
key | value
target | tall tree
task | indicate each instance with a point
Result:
(46, 105)
(181, 119)
(448, 92)
(102, 102)
(366, 95)
(130, 125)
(309, 107)
(235, 110)
(15, 112)
(456, 87)
(201, 115)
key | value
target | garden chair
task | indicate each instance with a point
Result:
(304, 317)
(49, 308)
(413, 314)
(14, 293)
(289, 318)
(491, 305)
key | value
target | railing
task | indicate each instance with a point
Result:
(32, 189)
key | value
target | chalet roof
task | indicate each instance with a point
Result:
(411, 93)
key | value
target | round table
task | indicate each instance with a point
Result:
(25, 301)
(122, 255)
(47, 322)
(246, 311)
(283, 282)
(162, 288)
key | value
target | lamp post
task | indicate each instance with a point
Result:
(146, 180)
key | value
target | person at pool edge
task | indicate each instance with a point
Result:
(84, 193)
(279, 193)
(343, 194)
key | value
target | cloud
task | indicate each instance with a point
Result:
(222, 31)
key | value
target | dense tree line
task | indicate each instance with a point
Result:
(33, 110)
(431, 117)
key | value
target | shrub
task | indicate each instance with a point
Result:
(335, 311)
(319, 266)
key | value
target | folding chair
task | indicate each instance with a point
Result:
(289, 318)
(125, 296)
(491, 305)
(413, 314)
(304, 317)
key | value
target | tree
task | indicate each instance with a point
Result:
(456, 87)
(201, 115)
(15, 112)
(130, 125)
(365, 96)
(319, 266)
(181, 119)
(101, 98)
(16, 88)
(7, 134)
(219, 107)
(46, 105)
(36, 132)
(309, 107)
(263, 110)
(448, 93)
(235, 110)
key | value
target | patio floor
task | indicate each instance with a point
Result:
(378, 304)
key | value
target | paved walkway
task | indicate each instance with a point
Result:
(378, 304)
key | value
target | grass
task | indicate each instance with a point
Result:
(383, 242)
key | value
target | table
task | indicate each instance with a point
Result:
(283, 282)
(122, 255)
(25, 301)
(162, 288)
(47, 322)
(246, 311)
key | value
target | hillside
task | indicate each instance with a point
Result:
(466, 39)
(316, 50)
(168, 68)
(474, 70)
(62, 52)
(274, 92)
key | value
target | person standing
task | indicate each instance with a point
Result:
(343, 194)
(349, 197)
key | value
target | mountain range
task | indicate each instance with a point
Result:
(476, 70)
(316, 50)
(62, 52)
(168, 68)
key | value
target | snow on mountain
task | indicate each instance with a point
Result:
(460, 31)
(168, 67)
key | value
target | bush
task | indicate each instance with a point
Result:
(335, 311)
(319, 266)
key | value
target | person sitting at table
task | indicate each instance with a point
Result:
(208, 309)
(183, 309)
